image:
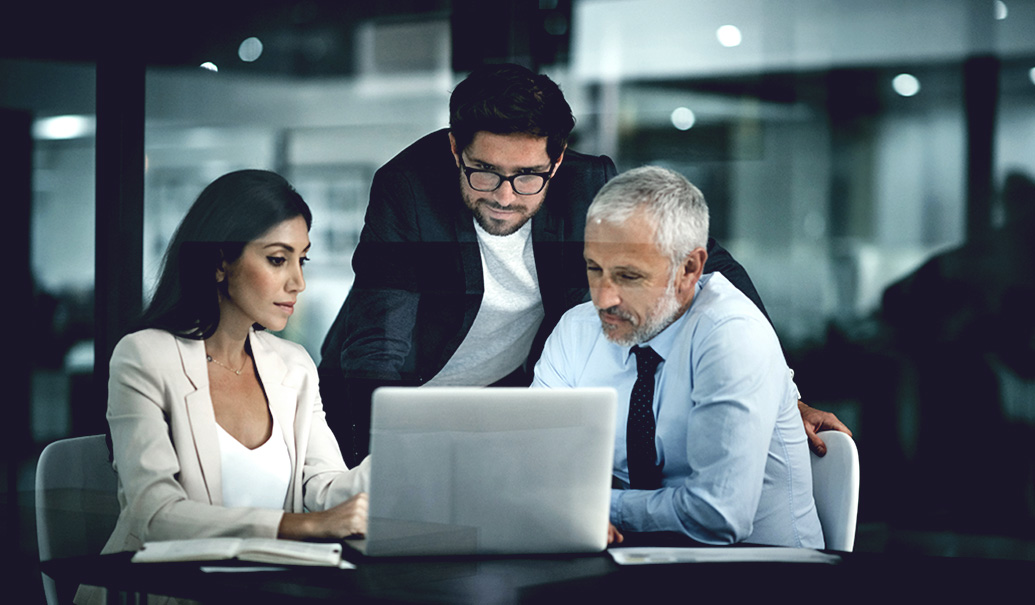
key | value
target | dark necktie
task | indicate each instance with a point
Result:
(639, 434)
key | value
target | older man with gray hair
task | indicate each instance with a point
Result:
(710, 443)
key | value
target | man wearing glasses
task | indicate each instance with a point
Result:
(471, 251)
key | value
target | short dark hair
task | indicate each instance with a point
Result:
(508, 98)
(233, 210)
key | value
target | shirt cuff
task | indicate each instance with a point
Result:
(616, 507)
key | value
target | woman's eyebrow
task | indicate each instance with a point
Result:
(287, 247)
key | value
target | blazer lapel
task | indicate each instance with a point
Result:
(547, 246)
(470, 254)
(474, 284)
(202, 417)
(282, 398)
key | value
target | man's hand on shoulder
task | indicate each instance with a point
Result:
(816, 421)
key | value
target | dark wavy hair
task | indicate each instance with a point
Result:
(233, 210)
(508, 98)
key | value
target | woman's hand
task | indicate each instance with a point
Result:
(347, 519)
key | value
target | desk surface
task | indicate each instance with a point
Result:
(535, 579)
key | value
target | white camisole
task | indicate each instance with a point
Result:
(256, 478)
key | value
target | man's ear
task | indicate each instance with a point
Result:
(452, 147)
(691, 270)
(560, 159)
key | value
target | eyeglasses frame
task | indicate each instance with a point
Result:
(546, 176)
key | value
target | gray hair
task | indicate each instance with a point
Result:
(673, 204)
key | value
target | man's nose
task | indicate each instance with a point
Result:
(605, 294)
(505, 194)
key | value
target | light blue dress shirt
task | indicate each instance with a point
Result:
(733, 450)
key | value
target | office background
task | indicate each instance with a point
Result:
(841, 146)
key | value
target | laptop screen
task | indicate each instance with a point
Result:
(465, 470)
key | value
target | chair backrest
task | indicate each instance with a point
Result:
(835, 488)
(76, 503)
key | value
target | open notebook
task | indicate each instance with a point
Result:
(464, 470)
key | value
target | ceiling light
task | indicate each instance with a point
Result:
(906, 85)
(250, 49)
(1001, 11)
(64, 127)
(729, 35)
(683, 118)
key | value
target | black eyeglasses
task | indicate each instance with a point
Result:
(529, 183)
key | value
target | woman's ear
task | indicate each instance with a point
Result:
(221, 271)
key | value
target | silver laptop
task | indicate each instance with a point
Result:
(464, 470)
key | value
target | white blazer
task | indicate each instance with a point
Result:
(166, 448)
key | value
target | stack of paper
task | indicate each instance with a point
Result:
(260, 550)
(735, 554)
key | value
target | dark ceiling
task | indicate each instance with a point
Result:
(313, 37)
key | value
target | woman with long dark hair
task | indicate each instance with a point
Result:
(217, 425)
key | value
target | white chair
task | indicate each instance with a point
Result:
(76, 504)
(835, 488)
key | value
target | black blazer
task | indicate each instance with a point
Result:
(419, 283)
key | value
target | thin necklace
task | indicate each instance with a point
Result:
(222, 365)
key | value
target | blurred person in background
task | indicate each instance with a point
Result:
(964, 324)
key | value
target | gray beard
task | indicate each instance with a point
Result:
(665, 311)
